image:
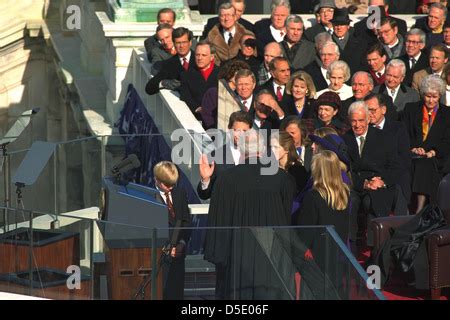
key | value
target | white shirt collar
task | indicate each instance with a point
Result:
(188, 57)
(381, 71)
(395, 43)
(275, 87)
(396, 92)
(324, 73)
(382, 123)
(417, 57)
(364, 135)
(276, 34)
(163, 196)
(236, 153)
(248, 100)
(233, 31)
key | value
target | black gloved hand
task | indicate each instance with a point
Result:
(173, 84)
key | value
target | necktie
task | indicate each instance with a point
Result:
(279, 94)
(185, 64)
(413, 62)
(169, 205)
(361, 145)
(330, 31)
(379, 74)
(245, 105)
(392, 93)
(230, 38)
(281, 34)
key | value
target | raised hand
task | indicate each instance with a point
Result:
(206, 169)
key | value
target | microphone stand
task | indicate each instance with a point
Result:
(147, 280)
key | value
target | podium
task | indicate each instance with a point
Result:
(132, 211)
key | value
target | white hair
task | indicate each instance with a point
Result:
(358, 106)
(397, 63)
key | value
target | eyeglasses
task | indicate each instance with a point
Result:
(413, 42)
(181, 43)
(323, 11)
(384, 31)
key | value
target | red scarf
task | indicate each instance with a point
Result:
(207, 72)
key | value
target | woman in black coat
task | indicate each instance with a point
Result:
(327, 203)
(428, 125)
(302, 91)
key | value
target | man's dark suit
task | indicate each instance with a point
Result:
(262, 26)
(171, 70)
(422, 63)
(405, 95)
(354, 53)
(398, 133)
(313, 31)
(314, 70)
(262, 40)
(150, 43)
(285, 102)
(361, 30)
(379, 159)
(215, 20)
(174, 268)
(194, 86)
(300, 54)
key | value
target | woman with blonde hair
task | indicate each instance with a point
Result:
(328, 202)
(301, 88)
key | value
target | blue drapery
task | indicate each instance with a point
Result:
(135, 122)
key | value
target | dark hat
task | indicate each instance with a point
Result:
(329, 98)
(340, 17)
(325, 4)
(335, 143)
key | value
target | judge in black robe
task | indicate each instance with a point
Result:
(248, 195)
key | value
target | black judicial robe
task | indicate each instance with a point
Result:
(244, 197)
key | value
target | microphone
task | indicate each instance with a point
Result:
(129, 163)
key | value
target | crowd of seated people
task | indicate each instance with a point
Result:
(381, 93)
